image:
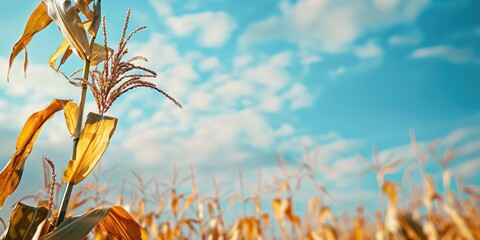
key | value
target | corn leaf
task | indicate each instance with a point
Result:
(25, 221)
(82, 5)
(37, 21)
(114, 221)
(71, 111)
(120, 225)
(77, 227)
(12, 173)
(65, 50)
(97, 18)
(93, 142)
(99, 54)
(65, 15)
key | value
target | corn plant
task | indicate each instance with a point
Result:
(108, 76)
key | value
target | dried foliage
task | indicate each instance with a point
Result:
(178, 214)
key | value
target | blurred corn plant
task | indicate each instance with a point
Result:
(270, 210)
(111, 76)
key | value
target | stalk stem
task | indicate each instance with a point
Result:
(78, 129)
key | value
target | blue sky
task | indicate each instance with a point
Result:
(261, 77)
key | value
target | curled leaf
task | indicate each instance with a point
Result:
(12, 173)
(120, 225)
(93, 29)
(65, 50)
(65, 15)
(37, 21)
(82, 6)
(99, 54)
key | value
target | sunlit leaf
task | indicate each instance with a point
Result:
(37, 21)
(25, 222)
(71, 111)
(93, 142)
(12, 173)
(65, 50)
(120, 225)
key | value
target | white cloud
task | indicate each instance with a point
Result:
(242, 60)
(331, 26)
(337, 72)
(209, 64)
(37, 77)
(299, 97)
(470, 147)
(468, 169)
(224, 117)
(405, 39)
(307, 59)
(385, 5)
(285, 130)
(461, 134)
(448, 53)
(369, 50)
(214, 28)
(162, 8)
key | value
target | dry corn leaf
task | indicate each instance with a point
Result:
(25, 222)
(82, 6)
(330, 233)
(93, 142)
(95, 24)
(99, 54)
(390, 189)
(188, 202)
(37, 21)
(120, 225)
(65, 50)
(391, 220)
(411, 228)
(326, 213)
(71, 112)
(459, 222)
(12, 173)
(65, 15)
